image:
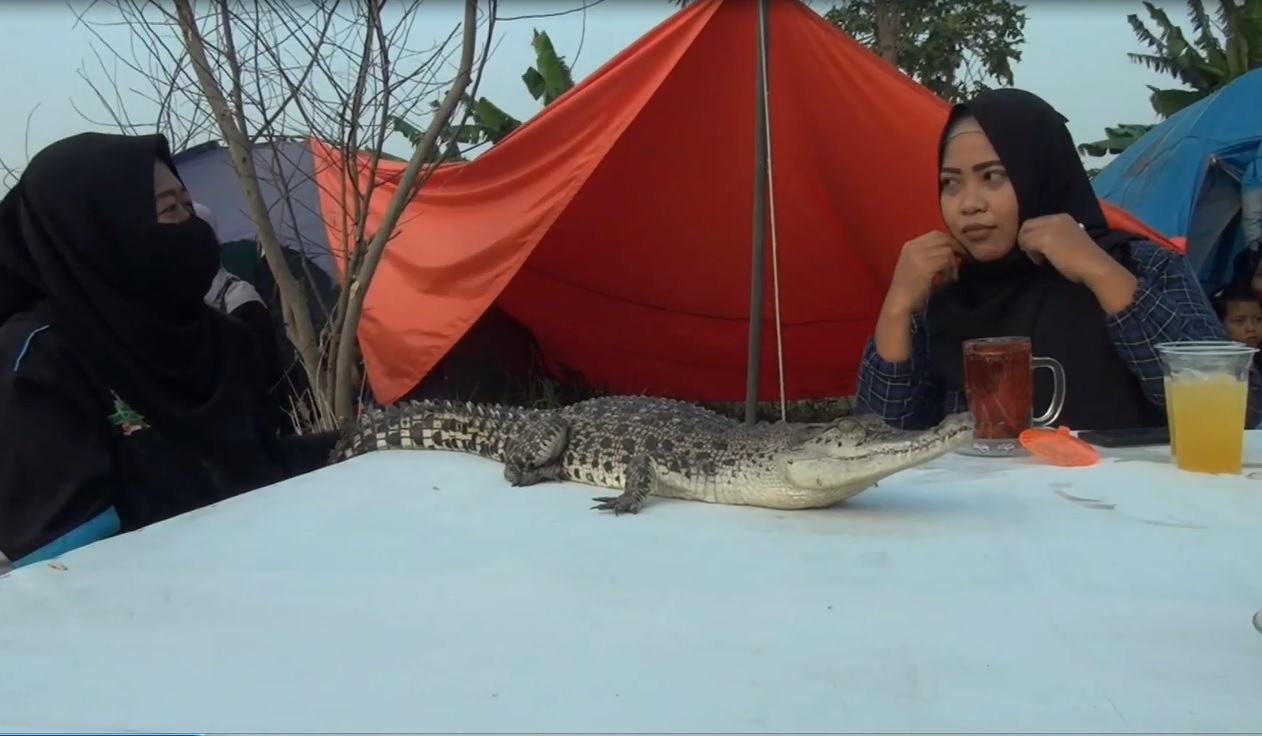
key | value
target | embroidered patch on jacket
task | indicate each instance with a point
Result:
(127, 419)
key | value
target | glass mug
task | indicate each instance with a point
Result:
(999, 386)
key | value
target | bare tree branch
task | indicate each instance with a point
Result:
(11, 173)
(160, 67)
(260, 74)
(298, 318)
(409, 184)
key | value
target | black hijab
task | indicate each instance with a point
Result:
(79, 237)
(1015, 296)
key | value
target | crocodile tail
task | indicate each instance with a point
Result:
(477, 429)
(348, 437)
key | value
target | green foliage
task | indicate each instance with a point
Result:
(546, 81)
(1220, 50)
(1116, 140)
(409, 131)
(550, 77)
(956, 49)
(447, 150)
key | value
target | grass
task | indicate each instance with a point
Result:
(541, 391)
(498, 362)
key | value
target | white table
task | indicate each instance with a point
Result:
(413, 591)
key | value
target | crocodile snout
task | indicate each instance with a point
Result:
(958, 423)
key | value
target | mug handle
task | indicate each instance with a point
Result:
(1058, 390)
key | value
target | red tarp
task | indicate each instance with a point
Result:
(616, 225)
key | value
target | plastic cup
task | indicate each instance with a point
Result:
(1207, 396)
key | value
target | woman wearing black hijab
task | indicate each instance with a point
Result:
(122, 393)
(1027, 251)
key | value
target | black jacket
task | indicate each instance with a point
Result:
(70, 448)
(280, 373)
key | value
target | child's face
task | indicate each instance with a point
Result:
(1244, 322)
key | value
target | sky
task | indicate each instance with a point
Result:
(1074, 56)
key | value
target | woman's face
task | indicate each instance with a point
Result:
(170, 197)
(1243, 322)
(979, 204)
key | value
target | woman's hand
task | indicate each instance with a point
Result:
(922, 261)
(1061, 241)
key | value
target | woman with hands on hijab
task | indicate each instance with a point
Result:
(124, 398)
(1027, 251)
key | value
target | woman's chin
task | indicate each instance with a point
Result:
(987, 251)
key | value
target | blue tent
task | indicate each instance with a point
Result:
(288, 186)
(1193, 176)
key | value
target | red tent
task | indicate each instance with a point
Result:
(616, 225)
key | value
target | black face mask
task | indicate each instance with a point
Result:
(178, 261)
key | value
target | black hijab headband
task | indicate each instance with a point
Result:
(1037, 150)
(1038, 153)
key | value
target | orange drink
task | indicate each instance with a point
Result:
(1207, 394)
(1174, 446)
(1209, 414)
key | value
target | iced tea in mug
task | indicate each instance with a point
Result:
(999, 386)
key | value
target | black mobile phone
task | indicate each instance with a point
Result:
(1116, 438)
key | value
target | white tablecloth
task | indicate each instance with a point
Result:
(412, 591)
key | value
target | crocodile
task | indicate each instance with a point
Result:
(644, 446)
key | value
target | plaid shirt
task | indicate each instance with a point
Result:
(1169, 306)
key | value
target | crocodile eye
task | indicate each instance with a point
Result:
(849, 431)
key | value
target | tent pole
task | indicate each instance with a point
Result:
(760, 220)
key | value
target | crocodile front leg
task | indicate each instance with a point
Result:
(533, 451)
(531, 476)
(638, 484)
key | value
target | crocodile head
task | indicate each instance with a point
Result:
(859, 451)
